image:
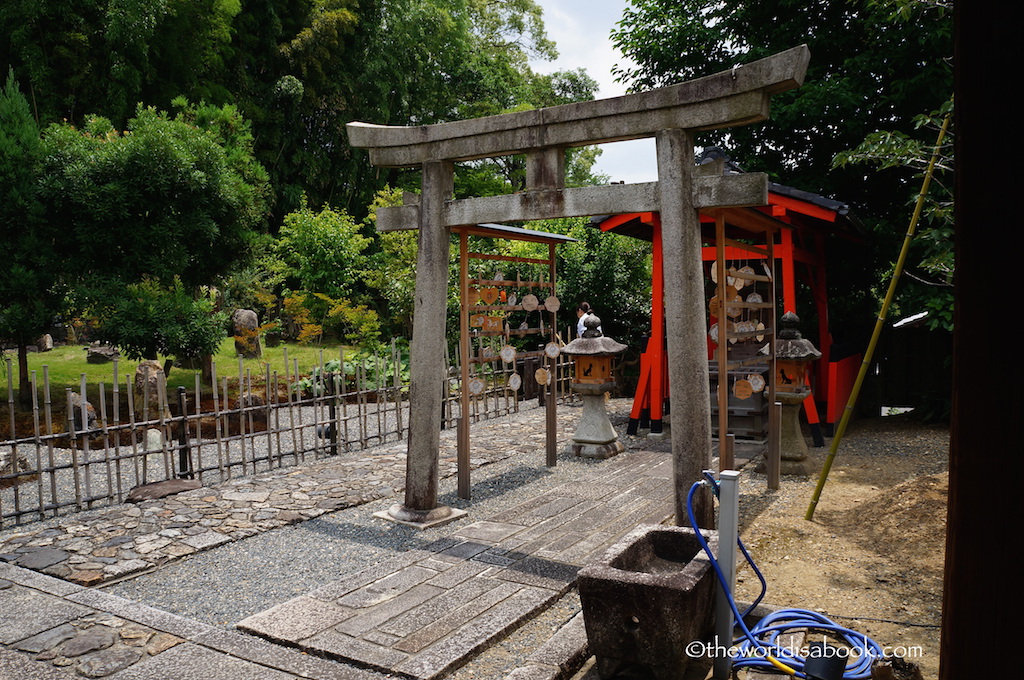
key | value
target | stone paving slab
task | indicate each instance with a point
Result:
(95, 547)
(54, 630)
(426, 611)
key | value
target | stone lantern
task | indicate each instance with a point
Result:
(593, 354)
(792, 355)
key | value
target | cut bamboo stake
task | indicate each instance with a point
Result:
(879, 323)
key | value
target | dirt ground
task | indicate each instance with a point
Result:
(872, 556)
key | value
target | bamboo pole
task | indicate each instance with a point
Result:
(115, 400)
(48, 414)
(38, 445)
(879, 322)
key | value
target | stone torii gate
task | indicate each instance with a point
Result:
(672, 115)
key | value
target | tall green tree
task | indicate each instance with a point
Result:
(82, 57)
(299, 70)
(30, 294)
(171, 201)
(867, 73)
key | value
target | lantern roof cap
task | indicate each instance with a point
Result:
(791, 344)
(593, 342)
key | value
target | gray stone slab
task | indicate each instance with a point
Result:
(48, 639)
(140, 613)
(25, 612)
(444, 603)
(583, 552)
(189, 661)
(444, 625)
(31, 579)
(566, 648)
(459, 572)
(206, 540)
(89, 640)
(15, 666)
(295, 620)
(375, 572)
(521, 509)
(340, 646)
(387, 588)
(41, 558)
(103, 663)
(466, 549)
(493, 559)
(453, 650)
(489, 532)
(541, 573)
(385, 611)
(281, 658)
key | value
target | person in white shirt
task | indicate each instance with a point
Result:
(583, 310)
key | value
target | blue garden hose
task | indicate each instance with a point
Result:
(758, 648)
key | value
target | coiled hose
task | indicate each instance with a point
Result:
(758, 648)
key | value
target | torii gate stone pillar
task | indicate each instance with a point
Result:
(672, 115)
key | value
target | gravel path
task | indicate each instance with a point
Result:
(225, 585)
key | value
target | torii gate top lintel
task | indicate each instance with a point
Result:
(735, 97)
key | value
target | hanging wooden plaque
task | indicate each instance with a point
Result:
(508, 354)
(489, 295)
(742, 389)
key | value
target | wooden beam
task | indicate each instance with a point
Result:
(738, 96)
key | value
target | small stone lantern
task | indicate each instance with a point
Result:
(792, 354)
(593, 354)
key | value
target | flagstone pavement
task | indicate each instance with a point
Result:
(418, 615)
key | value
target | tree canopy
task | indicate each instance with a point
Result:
(169, 203)
(876, 65)
(298, 70)
(867, 72)
(30, 292)
(154, 205)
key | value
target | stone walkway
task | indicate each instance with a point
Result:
(98, 546)
(421, 613)
(418, 615)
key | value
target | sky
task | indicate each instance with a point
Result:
(581, 30)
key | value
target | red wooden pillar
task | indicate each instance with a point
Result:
(786, 254)
(649, 399)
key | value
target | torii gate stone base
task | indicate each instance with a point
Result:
(672, 116)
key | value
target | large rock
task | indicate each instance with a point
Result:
(147, 492)
(100, 354)
(149, 380)
(247, 333)
(76, 404)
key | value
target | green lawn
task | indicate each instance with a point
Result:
(66, 365)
